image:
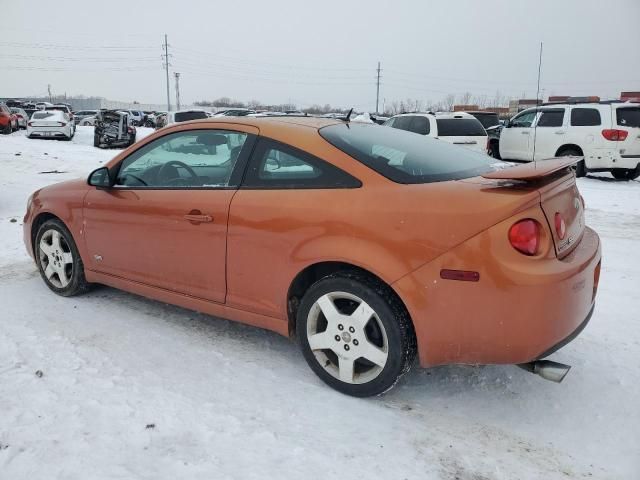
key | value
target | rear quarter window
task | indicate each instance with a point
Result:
(585, 117)
(42, 115)
(628, 116)
(459, 127)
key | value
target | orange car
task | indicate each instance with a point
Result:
(371, 244)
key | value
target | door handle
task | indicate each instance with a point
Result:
(559, 132)
(198, 218)
(525, 133)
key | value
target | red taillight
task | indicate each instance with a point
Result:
(20, 116)
(525, 236)
(30, 124)
(615, 135)
(561, 227)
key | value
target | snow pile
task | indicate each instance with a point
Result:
(131, 388)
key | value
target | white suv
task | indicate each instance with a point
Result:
(453, 127)
(606, 134)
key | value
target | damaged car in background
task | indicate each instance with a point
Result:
(113, 129)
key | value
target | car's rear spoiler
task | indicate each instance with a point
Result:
(533, 170)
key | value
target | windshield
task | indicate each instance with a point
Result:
(184, 116)
(460, 127)
(405, 157)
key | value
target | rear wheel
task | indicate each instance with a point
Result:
(58, 259)
(7, 129)
(96, 140)
(625, 173)
(494, 150)
(581, 169)
(355, 334)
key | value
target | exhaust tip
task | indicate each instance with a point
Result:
(547, 369)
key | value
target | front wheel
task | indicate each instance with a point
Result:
(355, 334)
(58, 259)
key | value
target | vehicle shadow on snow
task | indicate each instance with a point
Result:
(258, 344)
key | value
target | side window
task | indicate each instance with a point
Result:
(524, 120)
(551, 118)
(419, 125)
(188, 159)
(585, 117)
(277, 165)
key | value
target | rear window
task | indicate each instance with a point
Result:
(585, 117)
(185, 116)
(628, 116)
(459, 127)
(487, 120)
(41, 115)
(405, 157)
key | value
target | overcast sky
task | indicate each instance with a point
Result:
(319, 52)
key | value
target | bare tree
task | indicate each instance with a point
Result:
(449, 101)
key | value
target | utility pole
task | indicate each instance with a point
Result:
(49, 90)
(378, 89)
(166, 66)
(177, 75)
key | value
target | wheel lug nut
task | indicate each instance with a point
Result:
(346, 347)
(337, 337)
(355, 342)
(340, 327)
(352, 330)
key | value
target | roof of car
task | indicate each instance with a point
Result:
(305, 121)
(437, 114)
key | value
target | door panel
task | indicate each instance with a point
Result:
(550, 133)
(516, 141)
(164, 222)
(144, 236)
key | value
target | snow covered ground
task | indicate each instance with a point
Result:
(133, 388)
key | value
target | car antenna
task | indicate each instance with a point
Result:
(536, 118)
(348, 117)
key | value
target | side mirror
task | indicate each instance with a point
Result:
(507, 123)
(100, 178)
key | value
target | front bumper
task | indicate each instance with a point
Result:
(520, 310)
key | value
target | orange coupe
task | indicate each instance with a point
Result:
(371, 244)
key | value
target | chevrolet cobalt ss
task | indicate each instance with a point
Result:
(371, 244)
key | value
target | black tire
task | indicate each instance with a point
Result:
(96, 140)
(625, 173)
(494, 150)
(7, 129)
(396, 335)
(581, 168)
(74, 270)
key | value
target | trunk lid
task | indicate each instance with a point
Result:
(558, 195)
(562, 205)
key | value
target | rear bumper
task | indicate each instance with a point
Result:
(520, 310)
(605, 160)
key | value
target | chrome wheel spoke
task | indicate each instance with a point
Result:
(55, 240)
(321, 341)
(49, 271)
(362, 315)
(67, 258)
(45, 247)
(345, 369)
(374, 354)
(62, 275)
(328, 309)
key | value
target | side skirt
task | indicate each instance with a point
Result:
(277, 325)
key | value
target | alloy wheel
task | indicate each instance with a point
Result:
(55, 258)
(347, 338)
